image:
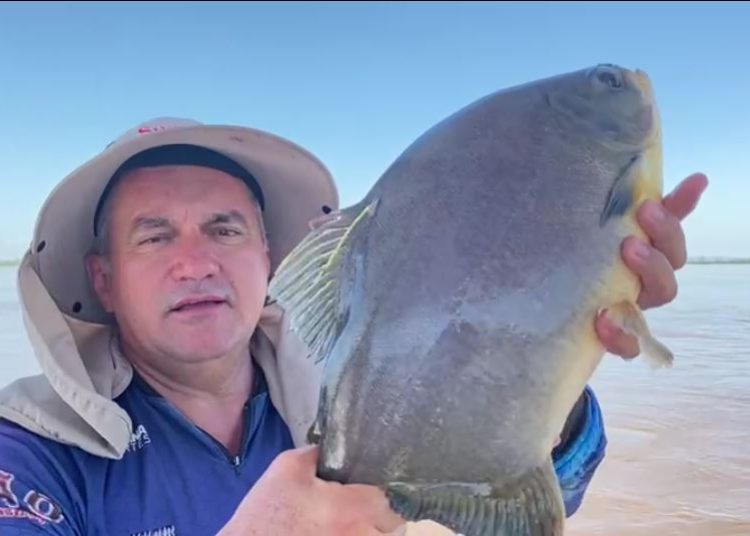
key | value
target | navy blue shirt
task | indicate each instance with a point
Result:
(176, 480)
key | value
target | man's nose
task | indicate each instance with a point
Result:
(194, 260)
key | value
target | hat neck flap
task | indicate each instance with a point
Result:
(84, 371)
(78, 367)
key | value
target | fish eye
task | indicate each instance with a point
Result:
(609, 78)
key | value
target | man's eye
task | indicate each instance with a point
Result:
(224, 231)
(151, 240)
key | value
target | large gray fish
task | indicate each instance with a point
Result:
(455, 304)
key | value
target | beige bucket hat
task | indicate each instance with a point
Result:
(296, 185)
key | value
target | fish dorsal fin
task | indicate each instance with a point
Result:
(307, 283)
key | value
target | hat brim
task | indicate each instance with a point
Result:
(295, 183)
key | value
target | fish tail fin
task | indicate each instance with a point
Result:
(629, 317)
(530, 506)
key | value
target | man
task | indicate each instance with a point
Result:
(173, 398)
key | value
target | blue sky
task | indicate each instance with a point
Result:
(356, 83)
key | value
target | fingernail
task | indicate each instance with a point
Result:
(656, 212)
(642, 251)
(606, 327)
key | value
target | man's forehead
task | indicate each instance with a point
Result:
(157, 219)
(176, 186)
(160, 197)
(167, 165)
(191, 159)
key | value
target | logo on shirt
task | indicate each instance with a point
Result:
(138, 439)
(15, 513)
(168, 530)
(34, 506)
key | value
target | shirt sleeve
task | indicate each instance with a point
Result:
(35, 498)
(577, 460)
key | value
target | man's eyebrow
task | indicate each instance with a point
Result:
(148, 222)
(227, 217)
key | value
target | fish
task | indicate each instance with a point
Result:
(453, 307)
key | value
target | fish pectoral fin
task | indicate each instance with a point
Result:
(623, 192)
(307, 283)
(529, 506)
(629, 318)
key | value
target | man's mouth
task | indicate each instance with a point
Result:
(199, 303)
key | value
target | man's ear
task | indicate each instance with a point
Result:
(99, 271)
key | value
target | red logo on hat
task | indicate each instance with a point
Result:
(146, 130)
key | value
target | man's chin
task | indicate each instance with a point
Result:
(206, 342)
(202, 353)
(201, 349)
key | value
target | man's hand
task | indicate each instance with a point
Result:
(655, 263)
(290, 500)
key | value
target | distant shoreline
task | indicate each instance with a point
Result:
(718, 261)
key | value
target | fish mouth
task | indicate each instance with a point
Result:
(640, 79)
(198, 303)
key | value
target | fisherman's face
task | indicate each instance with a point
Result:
(187, 267)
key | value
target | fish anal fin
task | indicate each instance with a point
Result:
(629, 318)
(529, 506)
(307, 283)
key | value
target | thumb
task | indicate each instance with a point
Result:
(308, 455)
(400, 531)
(301, 461)
(684, 198)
